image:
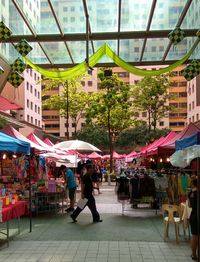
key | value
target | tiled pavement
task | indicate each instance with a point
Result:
(136, 236)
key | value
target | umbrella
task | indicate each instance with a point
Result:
(76, 145)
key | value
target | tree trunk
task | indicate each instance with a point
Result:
(75, 128)
(110, 143)
(67, 115)
(149, 120)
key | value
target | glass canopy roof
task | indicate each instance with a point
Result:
(136, 30)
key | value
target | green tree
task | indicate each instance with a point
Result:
(71, 101)
(151, 95)
(139, 135)
(110, 107)
(94, 134)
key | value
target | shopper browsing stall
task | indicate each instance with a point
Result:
(71, 186)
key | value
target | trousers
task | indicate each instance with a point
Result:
(91, 205)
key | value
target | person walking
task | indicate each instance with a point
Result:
(193, 219)
(71, 187)
(87, 192)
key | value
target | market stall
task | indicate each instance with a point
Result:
(10, 205)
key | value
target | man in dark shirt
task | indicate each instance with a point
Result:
(86, 192)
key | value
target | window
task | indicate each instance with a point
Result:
(28, 118)
(153, 48)
(189, 107)
(35, 109)
(192, 118)
(189, 91)
(27, 86)
(161, 48)
(31, 89)
(31, 105)
(189, 120)
(38, 110)
(35, 92)
(35, 76)
(136, 49)
(27, 103)
(82, 124)
(83, 83)
(73, 124)
(72, 19)
(65, 9)
(161, 123)
(197, 117)
(193, 88)
(38, 95)
(36, 122)
(72, 8)
(136, 114)
(183, 105)
(31, 120)
(183, 94)
(89, 83)
(31, 73)
(192, 104)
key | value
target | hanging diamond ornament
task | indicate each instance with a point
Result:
(192, 70)
(176, 36)
(23, 47)
(18, 65)
(5, 32)
(15, 79)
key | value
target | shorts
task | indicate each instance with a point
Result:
(72, 193)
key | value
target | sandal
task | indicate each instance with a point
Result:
(193, 257)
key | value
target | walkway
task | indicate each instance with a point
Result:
(136, 236)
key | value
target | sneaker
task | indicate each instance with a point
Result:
(74, 220)
(96, 221)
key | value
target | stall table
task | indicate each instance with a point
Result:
(13, 211)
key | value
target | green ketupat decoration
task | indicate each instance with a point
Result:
(192, 70)
(18, 65)
(15, 79)
(5, 32)
(23, 47)
(176, 36)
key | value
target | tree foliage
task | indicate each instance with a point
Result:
(151, 95)
(109, 108)
(139, 135)
(77, 99)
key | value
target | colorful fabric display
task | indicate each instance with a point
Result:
(176, 36)
(23, 47)
(5, 32)
(191, 70)
(18, 65)
(15, 79)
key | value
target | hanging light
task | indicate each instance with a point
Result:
(14, 156)
(168, 160)
(4, 156)
(161, 160)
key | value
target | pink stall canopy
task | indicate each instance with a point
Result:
(9, 130)
(132, 154)
(153, 150)
(116, 156)
(38, 141)
(48, 142)
(94, 155)
(169, 146)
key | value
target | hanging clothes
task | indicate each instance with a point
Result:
(122, 188)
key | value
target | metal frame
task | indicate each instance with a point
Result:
(91, 37)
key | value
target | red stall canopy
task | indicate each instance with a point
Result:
(48, 142)
(169, 146)
(153, 150)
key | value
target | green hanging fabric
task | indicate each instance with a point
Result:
(106, 50)
(5, 32)
(192, 70)
(15, 79)
(18, 65)
(176, 35)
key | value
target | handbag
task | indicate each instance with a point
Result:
(82, 202)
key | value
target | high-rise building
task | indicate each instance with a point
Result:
(28, 94)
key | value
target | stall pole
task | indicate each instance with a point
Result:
(198, 209)
(30, 194)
